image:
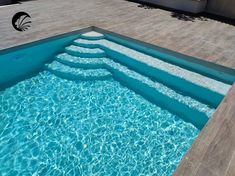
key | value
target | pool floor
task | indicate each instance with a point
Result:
(53, 126)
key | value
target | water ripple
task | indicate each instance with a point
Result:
(51, 126)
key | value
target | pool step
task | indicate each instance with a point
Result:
(72, 73)
(86, 61)
(122, 73)
(78, 62)
(155, 92)
(202, 88)
(186, 107)
(92, 36)
(86, 43)
(115, 68)
(85, 52)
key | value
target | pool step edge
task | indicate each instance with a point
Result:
(198, 92)
(188, 114)
(89, 52)
(78, 62)
(69, 73)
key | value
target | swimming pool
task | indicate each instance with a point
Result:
(100, 104)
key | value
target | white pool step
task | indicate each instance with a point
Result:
(200, 87)
(72, 73)
(143, 85)
(92, 35)
(86, 61)
(117, 68)
(192, 103)
(85, 52)
(185, 106)
(80, 62)
(190, 76)
(92, 68)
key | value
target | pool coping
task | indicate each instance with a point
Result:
(206, 155)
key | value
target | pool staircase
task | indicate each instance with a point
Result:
(80, 63)
(86, 59)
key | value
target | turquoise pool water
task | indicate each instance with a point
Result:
(52, 126)
(95, 106)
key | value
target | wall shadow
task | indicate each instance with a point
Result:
(17, 2)
(185, 16)
(146, 6)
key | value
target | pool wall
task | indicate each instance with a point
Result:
(18, 63)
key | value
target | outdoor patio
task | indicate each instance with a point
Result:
(199, 37)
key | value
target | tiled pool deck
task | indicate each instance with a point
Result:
(213, 153)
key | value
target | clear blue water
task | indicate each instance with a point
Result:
(53, 126)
